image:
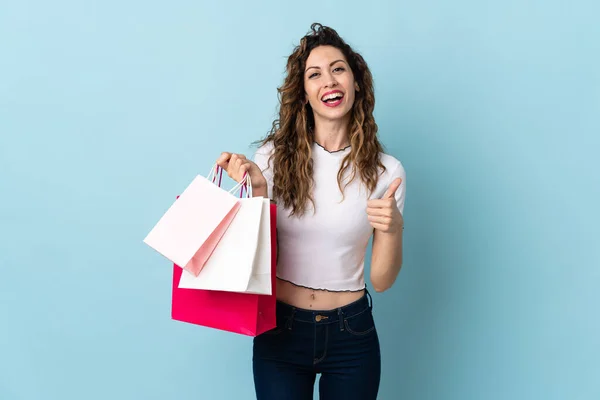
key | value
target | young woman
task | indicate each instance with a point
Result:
(324, 167)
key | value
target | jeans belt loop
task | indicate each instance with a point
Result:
(341, 318)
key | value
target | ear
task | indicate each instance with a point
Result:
(356, 87)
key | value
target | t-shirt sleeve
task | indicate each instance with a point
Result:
(400, 195)
(261, 159)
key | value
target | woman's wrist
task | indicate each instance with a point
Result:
(259, 189)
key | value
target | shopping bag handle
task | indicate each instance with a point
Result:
(213, 173)
(245, 183)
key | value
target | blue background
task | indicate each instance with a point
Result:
(108, 109)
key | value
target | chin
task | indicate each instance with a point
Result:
(336, 116)
(335, 113)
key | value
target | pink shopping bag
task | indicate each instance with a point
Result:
(191, 228)
(242, 313)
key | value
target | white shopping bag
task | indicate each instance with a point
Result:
(241, 262)
(260, 280)
(190, 230)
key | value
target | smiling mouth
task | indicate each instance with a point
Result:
(333, 99)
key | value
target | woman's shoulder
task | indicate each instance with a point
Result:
(263, 154)
(393, 166)
(265, 148)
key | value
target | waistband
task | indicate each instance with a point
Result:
(336, 315)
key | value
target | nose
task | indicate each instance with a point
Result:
(330, 82)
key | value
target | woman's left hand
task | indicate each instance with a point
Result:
(383, 214)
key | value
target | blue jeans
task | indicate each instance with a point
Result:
(341, 344)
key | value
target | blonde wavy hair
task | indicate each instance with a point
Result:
(292, 133)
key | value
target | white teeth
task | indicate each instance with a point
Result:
(331, 96)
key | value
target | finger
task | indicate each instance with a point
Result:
(378, 226)
(236, 156)
(224, 157)
(381, 203)
(233, 164)
(392, 189)
(223, 160)
(244, 168)
(379, 220)
(379, 212)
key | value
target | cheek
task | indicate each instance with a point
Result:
(314, 99)
(311, 92)
(351, 97)
(350, 91)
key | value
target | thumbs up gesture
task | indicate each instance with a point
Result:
(383, 214)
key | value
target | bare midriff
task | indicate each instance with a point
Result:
(314, 299)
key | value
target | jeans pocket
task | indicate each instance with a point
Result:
(360, 324)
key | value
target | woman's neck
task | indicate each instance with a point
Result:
(332, 135)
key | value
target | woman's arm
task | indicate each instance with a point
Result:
(259, 191)
(388, 224)
(386, 259)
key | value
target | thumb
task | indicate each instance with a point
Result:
(392, 189)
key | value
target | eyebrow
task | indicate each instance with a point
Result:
(336, 61)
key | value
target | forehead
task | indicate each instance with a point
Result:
(323, 55)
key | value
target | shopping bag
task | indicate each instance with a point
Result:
(241, 262)
(193, 225)
(241, 313)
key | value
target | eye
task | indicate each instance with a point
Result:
(313, 75)
(339, 69)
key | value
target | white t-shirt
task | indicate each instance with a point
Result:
(326, 249)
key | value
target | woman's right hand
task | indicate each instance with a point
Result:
(236, 165)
